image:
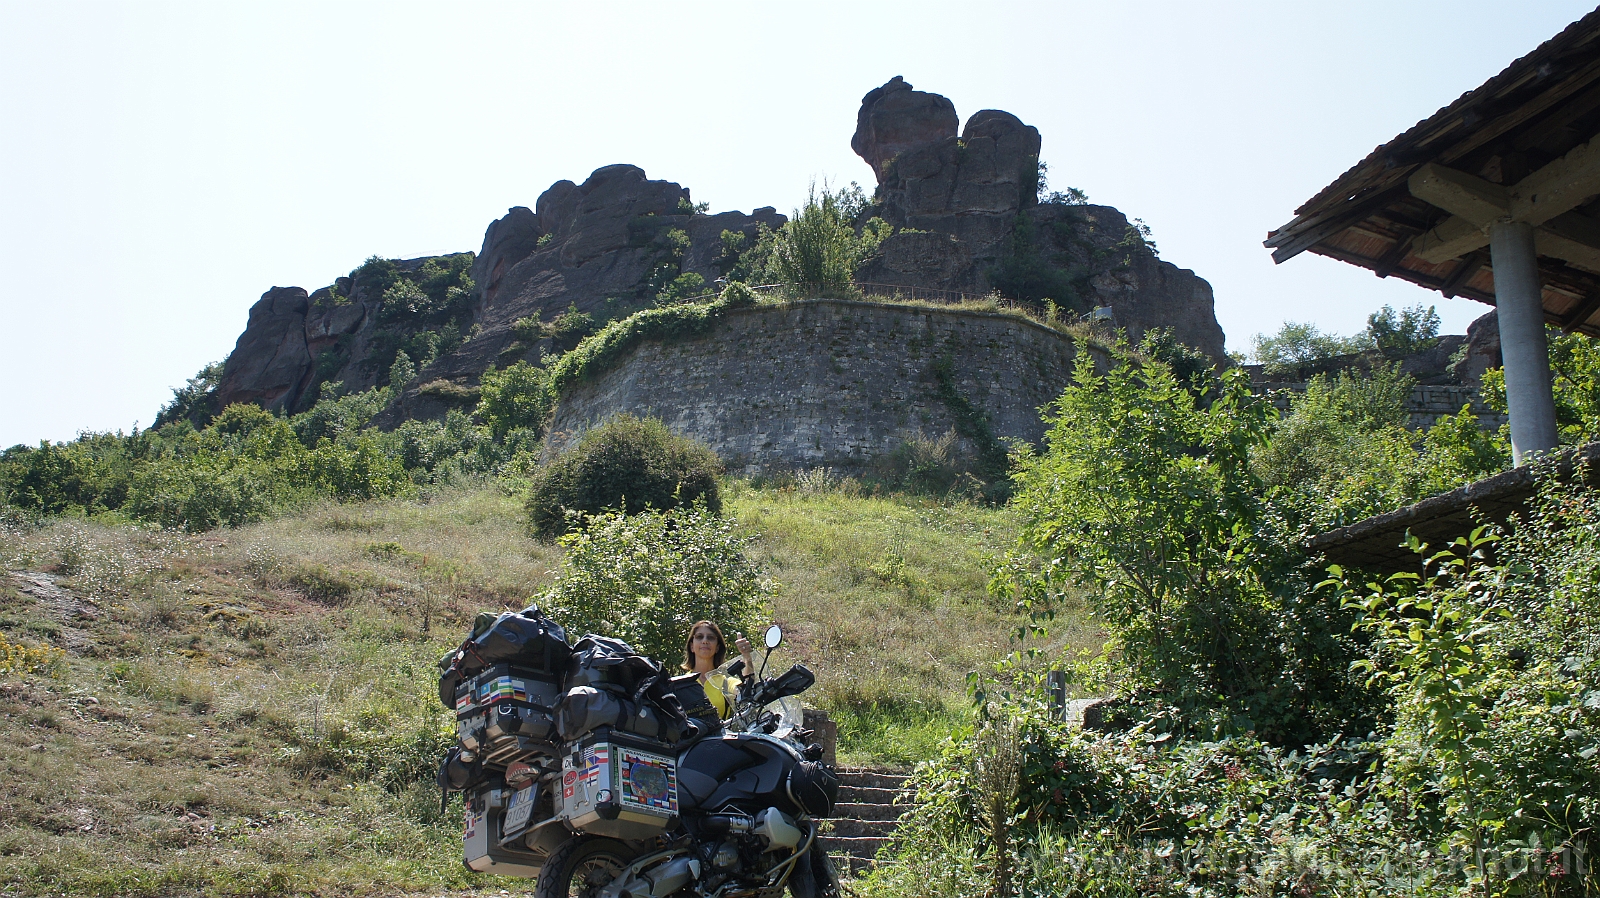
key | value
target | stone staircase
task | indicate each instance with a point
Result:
(865, 817)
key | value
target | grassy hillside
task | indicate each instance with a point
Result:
(252, 711)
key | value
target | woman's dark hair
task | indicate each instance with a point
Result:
(688, 645)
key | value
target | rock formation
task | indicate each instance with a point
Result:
(975, 223)
(1482, 352)
(966, 204)
(599, 246)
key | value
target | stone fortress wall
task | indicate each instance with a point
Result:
(829, 383)
(843, 383)
(1426, 404)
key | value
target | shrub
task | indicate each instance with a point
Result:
(685, 286)
(816, 251)
(629, 464)
(336, 416)
(517, 397)
(204, 493)
(21, 659)
(192, 401)
(923, 464)
(86, 476)
(645, 578)
(1575, 379)
(1344, 452)
(570, 327)
(449, 391)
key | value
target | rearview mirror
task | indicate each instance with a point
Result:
(774, 636)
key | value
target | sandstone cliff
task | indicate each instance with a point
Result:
(603, 247)
(966, 204)
(971, 206)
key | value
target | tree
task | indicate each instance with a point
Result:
(1296, 346)
(1413, 330)
(516, 397)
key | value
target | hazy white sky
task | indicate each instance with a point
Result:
(163, 164)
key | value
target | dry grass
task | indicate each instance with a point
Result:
(886, 599)
(248, 712)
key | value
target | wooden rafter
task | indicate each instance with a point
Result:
(1524, 145)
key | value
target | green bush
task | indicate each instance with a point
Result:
(336, 416)
(923, 464)
(86, 476)
(1344, 452)
(1146, 499)
(516, 397)
(205, 492)
(816, 252)
(645, 578)
(192, 401)
(629, 464)
(1484, 769)
(1575, 379)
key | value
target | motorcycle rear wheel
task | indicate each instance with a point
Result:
(581, 867)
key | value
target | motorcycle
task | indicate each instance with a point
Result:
(731, 811)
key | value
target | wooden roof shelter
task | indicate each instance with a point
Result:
(1523, 147)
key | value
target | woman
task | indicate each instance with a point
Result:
(703, 654)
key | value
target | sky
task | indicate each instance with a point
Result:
(164, 164)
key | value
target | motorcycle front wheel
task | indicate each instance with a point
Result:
(814, 876)
(581, 867)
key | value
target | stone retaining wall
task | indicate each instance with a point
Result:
(829, 383)
(1427, 404)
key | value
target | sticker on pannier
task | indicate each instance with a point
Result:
(648, 781)
(594, 759)
(501, 688)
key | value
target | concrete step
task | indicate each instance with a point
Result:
(855, 828)
(866, 795)
(856, 846)
(864, 811)
(872, 779)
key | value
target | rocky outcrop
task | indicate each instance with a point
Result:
(598, 247)
(894, 118)
(601, 246)
(1482, 350)
(269, 363)
(973, 222)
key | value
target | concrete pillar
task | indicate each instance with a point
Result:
(1522, 342)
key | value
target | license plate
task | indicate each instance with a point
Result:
(520, 809)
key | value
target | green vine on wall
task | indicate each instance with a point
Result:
(598, 353)
(993, 461)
